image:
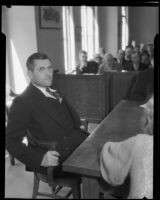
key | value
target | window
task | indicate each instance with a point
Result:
(68, 39)
(89, 23)
(124, 28)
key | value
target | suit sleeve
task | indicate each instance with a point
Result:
(18, 122)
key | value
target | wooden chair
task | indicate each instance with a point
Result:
(56, 184)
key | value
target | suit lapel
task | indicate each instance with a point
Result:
(42, 103)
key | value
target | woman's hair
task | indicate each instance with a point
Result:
(148, 118)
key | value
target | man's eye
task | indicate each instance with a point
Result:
(42, 69)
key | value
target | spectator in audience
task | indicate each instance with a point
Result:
(120, 56)
(137, 48)
(133, 44)
(136, 65)
(117, 64)
(142, 47)
(150, 49)
(107, 63)
(127, 57)
(133, 157)
(48, 117)
(86, 66)
(145, 58)
(98, 59)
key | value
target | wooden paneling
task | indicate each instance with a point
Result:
(94, 96)
(120, 85)
(86, 93)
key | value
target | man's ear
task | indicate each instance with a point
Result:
(30, 74)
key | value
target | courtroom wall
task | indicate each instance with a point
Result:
(108, 28)
(144, 23)
(50, 41)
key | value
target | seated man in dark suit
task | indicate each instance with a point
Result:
(48, 117)
(86, 66)
(127, 57)
(136, 64)
(143, 87)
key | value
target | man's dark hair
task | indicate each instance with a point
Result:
(35, 56)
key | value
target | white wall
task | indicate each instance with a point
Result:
(18, 24)
(144, 23)
(108, 28)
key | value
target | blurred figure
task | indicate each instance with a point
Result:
(133, 44)
(86, 66)
(145, 58)
(117, 64)
(142, 47)
(127, 58)
(150, 49)
(98, 59)
(133, 157)
(107, 63)
(136, 64)
(137, 48)
(120, 56)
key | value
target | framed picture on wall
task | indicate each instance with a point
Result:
(50, 17)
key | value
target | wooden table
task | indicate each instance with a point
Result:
(122, 123)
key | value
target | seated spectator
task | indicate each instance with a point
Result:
(98, 59)
(133, 44)
(107, 63)
(150, 49)
(145, 58)
(120, 56)
(127, 57)
(142, 47)
(136, 65)
(133, 157)
(86, 66)
(137, 48)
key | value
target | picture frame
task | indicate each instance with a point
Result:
(50, 17)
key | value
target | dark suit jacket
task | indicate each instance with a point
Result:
(129, 67)
(46, 119)
(143, 86)
(92, 67)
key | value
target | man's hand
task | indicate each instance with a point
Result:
(83, 65)
(51, 158)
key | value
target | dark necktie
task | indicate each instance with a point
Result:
(55, 94)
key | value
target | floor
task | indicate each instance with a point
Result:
(19, 183)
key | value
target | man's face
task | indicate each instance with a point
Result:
(135, 58)
(120, 55)
(42, 73)
(108, 60)
(83, 57)
(128, 53)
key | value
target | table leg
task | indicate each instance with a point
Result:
(90, 188)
